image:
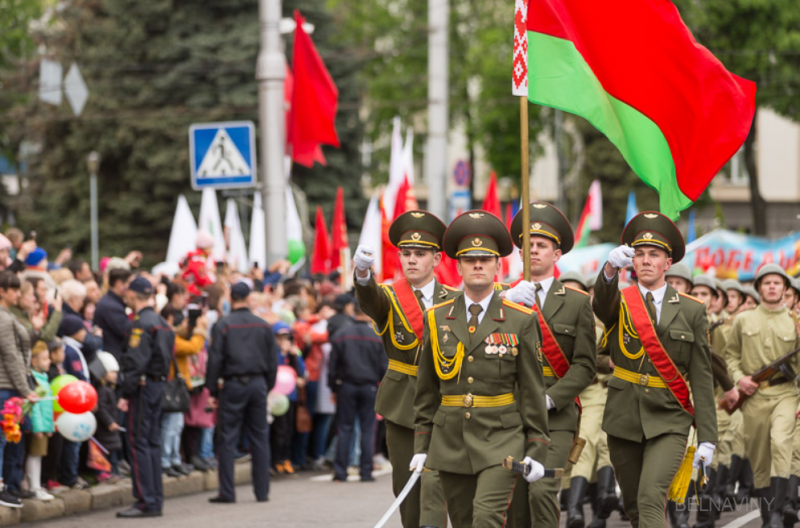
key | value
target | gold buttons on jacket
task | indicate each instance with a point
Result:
(470, 359)
(470, 379)
(647, 391)
(467, 415)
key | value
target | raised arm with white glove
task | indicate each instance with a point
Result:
(418, 462)
(706, 451)
(364, 258)
(621, 256)
(522, 293)
(536, 472)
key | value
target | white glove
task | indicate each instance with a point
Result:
(621, 257)
(418, 462)
(706, 451)
(522, 293)
(550, 403)
(536, 472)
(364, 257)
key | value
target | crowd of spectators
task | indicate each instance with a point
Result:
(58, 316)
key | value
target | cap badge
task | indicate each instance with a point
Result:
(537, 225)
(417, 215)
(539, 205)
(476, 216)
(651, 215)
(477, 242)
(416, 236)
(648, 236)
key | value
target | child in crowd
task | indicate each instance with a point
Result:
(56, 442)
(42, 426)
(282, 430)
(107, 434)
(73, 333)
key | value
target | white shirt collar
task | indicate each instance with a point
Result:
(546, 284)
(484, 304)
(658, 297)
(427, 293)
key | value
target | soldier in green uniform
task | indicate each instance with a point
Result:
(568, 353)
(679, 276)
(398, 312)
(480, 391)
(720, 302)
(758, 337)
(658, 343)
(594, 464)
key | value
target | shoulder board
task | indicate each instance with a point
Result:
(435, 306)
(695, 299)
(518, 307)
(500, 286)
(576, 290)
(450, 288)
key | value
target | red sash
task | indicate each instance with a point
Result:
(410, 305)
(655, 350)
(552, 351)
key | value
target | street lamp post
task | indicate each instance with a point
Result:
(93, 163)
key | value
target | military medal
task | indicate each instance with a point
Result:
(444, 338)
(471, 329)
(514, 351)
(399, 337)
(502, 350)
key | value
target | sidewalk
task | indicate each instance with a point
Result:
(106, 496)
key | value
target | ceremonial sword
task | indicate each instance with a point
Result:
(523, 469)
(400, 498)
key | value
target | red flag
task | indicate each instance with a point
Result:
(447, 273)
(405, 200)
(388, 251)
(338, 231)
(95, 458)
(491, 202)
(314, 100)
(321, 255)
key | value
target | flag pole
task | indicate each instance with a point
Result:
(525, 184)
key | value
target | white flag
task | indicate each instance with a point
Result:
(258, 249)
(237, 256)
(184, 231)
(210, 221)
(371, 232)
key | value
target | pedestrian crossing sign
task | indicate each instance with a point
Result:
(223, 155)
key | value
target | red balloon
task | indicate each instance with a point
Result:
(77, 397)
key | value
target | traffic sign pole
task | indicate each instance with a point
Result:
(270, 73)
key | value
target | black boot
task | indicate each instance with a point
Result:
(790, 510)
(678, 514)
(577, 490)
(563, 498)
(705, 505)
(733, 477)
(746, 484)
(622, 515)
(778, 487)
(718, 495)
(765, 500)
(606, 492)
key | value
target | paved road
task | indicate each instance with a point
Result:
(298, 502)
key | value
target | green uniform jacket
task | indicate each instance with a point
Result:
(569, 314)
(469, 440)
(758, 337)
(395, 400)
(635, 412)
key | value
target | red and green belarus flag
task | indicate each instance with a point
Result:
(633, 69)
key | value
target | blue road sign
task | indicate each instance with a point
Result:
(223, 155)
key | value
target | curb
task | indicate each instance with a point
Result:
(107, 496)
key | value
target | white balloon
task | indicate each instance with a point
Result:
(77, 427)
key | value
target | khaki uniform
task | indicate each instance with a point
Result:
(425, 505)
(758, 337)
(646, 425)
(493, 407)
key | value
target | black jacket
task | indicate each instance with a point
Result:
(337, 322)
(110, 317)
(357, 356)
(92, 343)
(149, 351)
(242, 344)
(106, 414)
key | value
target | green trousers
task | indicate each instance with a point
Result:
(645, 471)
(480, 500)
(425, 505)
(536, 504)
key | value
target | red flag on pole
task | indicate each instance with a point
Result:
(303, 158)
(321, 255)
(314, 100)
(491, 202)
(338, 231)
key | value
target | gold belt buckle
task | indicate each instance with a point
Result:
(467, 400)
(644, 379)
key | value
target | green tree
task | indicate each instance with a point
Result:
(152, 68)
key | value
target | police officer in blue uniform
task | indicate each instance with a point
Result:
(243, 360)
(145, 365)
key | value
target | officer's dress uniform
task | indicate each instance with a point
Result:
(568, 314)
(647, 426)
(425, 505)
(468, 415)
(145, 365)
(758, 337)
(244, 355)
